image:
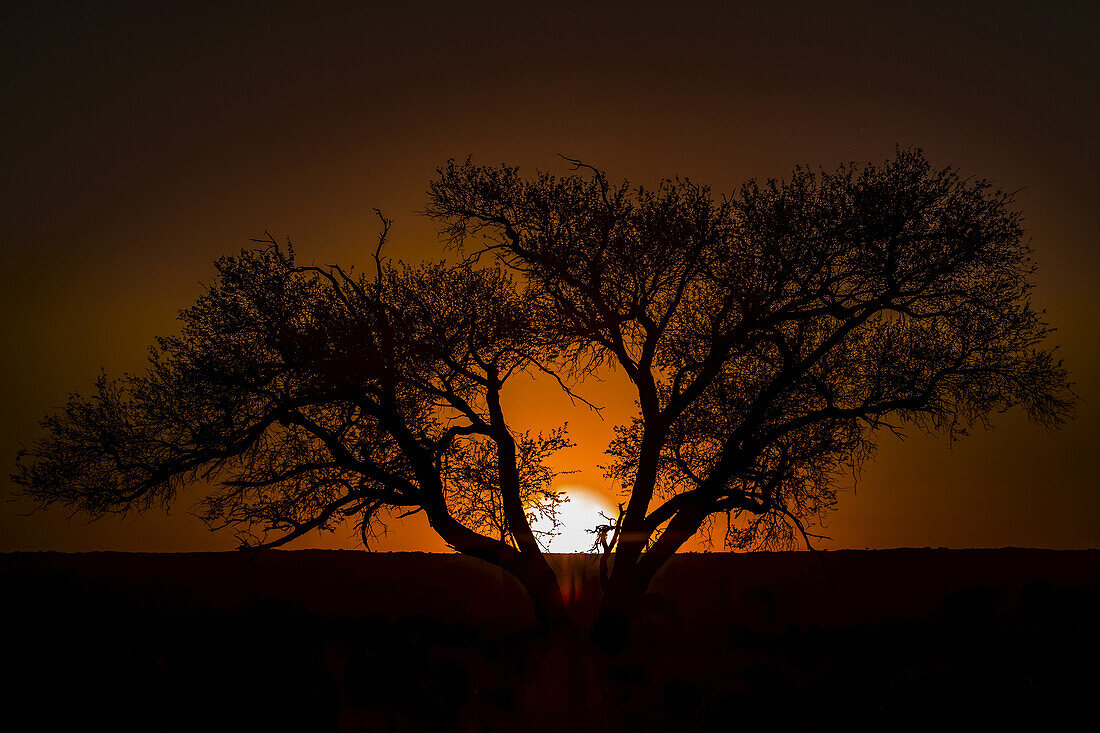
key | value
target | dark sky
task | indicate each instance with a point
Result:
(140, 142)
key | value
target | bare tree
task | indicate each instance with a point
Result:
(308, 395)
(771, 335)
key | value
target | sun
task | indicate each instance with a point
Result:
(576, 516)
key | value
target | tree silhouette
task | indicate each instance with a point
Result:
(771, 335)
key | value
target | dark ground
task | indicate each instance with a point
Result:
(314, 641)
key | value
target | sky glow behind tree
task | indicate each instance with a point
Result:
(142, 143)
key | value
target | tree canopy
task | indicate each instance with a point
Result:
(772, 334)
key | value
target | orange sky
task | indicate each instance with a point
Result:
(139, 144)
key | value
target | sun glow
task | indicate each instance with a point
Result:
(575, 517)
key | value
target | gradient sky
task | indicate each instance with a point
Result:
(139, 143)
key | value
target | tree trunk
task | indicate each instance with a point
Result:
(617, 614)
(622, 600)
(531, 569)
(541, 584)
(628, 583)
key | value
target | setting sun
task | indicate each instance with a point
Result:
(576, 516)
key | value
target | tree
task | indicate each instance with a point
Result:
(771, 336)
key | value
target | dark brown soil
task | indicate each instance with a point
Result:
(314, 640)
